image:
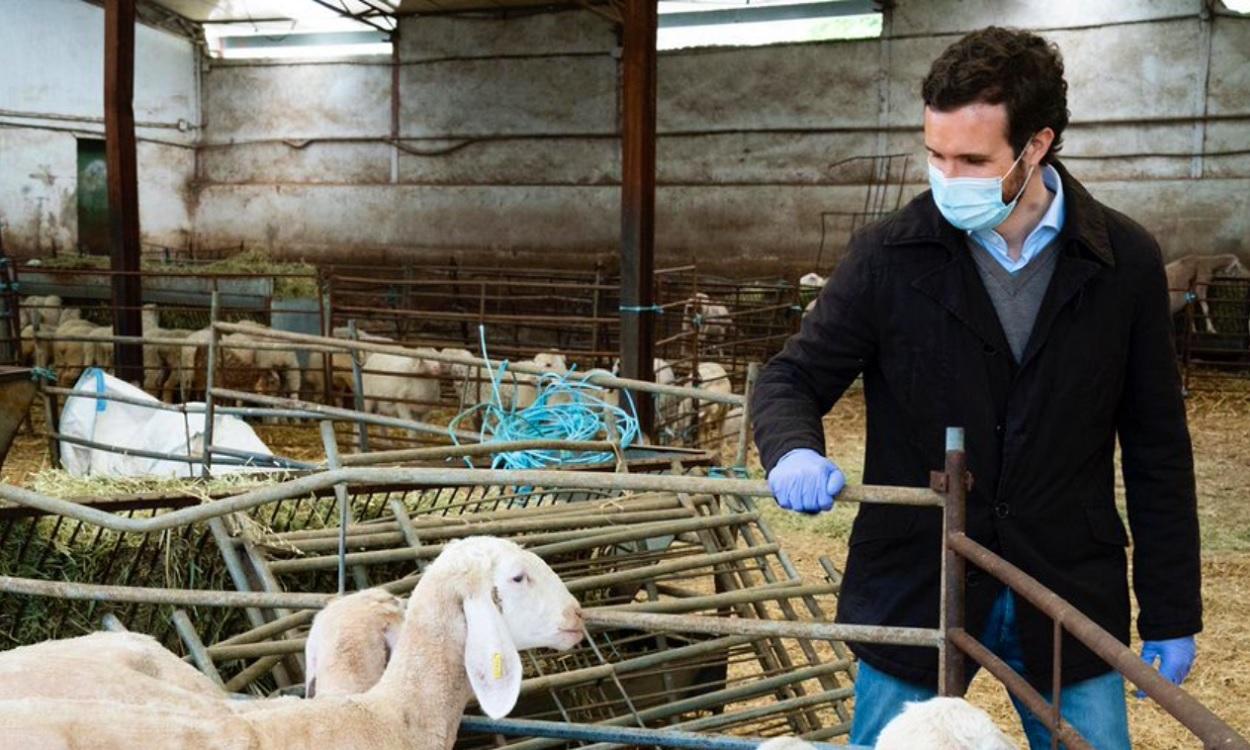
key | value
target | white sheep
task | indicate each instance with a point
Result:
(812, 281)
(475, 606)
(46, 311)
(161, 362)
(71, 357)
(116, 666)
(935, 724)
(714, 321)
(346, 652)
(402, 386)
(942, 724)
(350, 643)
(517, 390)
(713, 421)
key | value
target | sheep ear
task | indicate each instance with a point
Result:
(311, 646)
(490, 658)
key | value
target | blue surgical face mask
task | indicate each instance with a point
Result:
(974, 203)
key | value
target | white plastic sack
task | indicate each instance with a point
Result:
(130, 426)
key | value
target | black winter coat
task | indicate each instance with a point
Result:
(908, 310)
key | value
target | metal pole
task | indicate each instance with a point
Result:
(359, 382)
(340, 494)
(209, 379)
(123, 182)
(744, 427)
(195, 647)
(597, 377)
(820, 631)
(1196, 717)
(951, 615)
(638, 101)
(583, 480)
(632, 736)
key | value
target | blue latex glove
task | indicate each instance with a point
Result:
(1175, 657)
(805, 481)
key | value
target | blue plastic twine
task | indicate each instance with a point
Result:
(567, 407)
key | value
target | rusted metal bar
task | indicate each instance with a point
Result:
(297, 405)
(438, 452)
(1016, 685)
(705, 701)
(571, 541)
(822, 631)
(1208, 727)
(407, 529)
(629, 507)
(253, 672)
(362, 537)
(123, 182)
(951, 614)
(586, 480)
(199, 654)
(778, 592)
(651, 572)
(637, 737)
(596, 377)
(175, 597)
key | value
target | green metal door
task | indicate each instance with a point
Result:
(93, 197)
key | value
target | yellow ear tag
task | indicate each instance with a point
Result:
(497, 665)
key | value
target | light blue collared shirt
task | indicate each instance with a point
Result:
(1041, 236)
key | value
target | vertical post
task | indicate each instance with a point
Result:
(123, 183)
(594, 311)
(744, 426)
(638, 64)
(209, 381)
(51, 422)
(951, 664)
(358, 382)
(340, 494)
(327, 330)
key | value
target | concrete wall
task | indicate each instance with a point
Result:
(509, 127)
(52, 93)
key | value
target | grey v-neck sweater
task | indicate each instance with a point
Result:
(1016, 297)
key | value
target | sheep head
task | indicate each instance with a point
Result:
(512, 600)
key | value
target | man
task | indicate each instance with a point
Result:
(1011, 303)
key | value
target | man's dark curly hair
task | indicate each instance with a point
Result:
(1004, 66)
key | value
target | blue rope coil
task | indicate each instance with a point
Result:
(567, 407)
(46, 374)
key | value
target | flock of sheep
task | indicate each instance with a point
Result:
(405, 385)
(379, 674)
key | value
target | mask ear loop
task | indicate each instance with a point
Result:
(1028, 176)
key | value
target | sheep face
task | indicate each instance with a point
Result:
(537, 606)
(534, 603)
(551, 361)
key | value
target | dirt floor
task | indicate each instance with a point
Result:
(1221, 432)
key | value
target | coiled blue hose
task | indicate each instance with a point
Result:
(567, 407)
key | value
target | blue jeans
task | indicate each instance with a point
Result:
(1095, 707)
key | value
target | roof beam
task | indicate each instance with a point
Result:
(761, 13)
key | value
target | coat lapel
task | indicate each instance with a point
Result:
(1071, 275)
(949, 286)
